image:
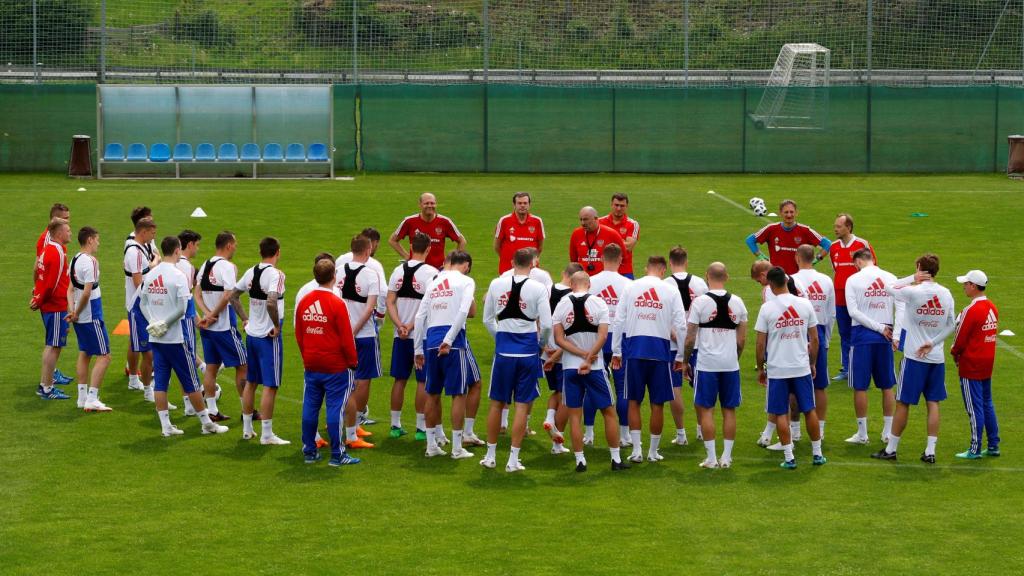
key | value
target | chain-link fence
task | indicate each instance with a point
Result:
(559, 42)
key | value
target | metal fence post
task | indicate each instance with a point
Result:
(103, 42)
(487, 43)
(686, 43)
(869, 39)
(35, 43)
(355, 42)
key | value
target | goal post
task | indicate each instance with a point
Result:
(796, 96)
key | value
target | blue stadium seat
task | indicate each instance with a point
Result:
(183, 152)
(137, 152)
(318, 152)
(160, 152)
(227, 152)
(113, 152)
(204, 152)
(295, 153)
(272, 151)
(251, 152)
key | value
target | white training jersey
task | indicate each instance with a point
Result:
(717, 345)
(821, 293)
(441, 317)
(136, 261)
(189, 271)
(303, 291)
(869, 300)
(786, 320)
(518, 336)
(597, 314)
(928, 317)
(85, 271)
(408, 306)
(271, 280)
(367, 284)
(152, 243)
(767, 294)
(536, 274)
(376, 266)
(223, 274)
(696, 287)
(609, 285)
(649, 313)
(164, 294)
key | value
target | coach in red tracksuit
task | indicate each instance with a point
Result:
(50, 297)
(974, 351)
(328, 348)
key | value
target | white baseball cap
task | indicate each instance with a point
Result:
(976, 277)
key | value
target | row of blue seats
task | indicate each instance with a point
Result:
(160, 152)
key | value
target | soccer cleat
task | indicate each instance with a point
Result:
(420, 435)
(530, 431)
(189, 410)
(556, 436)
(488, 463)
(777, 447)
(213, 428)
(709, 463)
(797, 437)
(81, 401)
(581, 466)
(363, 433)
(557, 449)
(885, 438)
(789, 464)
(991, 451)
(343, 460)
(53, 394)
(623, 442)
(503, 430)
(321, 443)
(96, 406)
(819, 460)
(842, 375)
(636, 458)
(472, 440)
(358, 443)
(434, 451)
(968, 455)
(61, 379)
(135, 384)
(460, 453)
(397, 432)
(589, 441)
(725, 463)
(680, 441)
(442, 440)
(517, 466)
(171, 406)
(884, 454)
(654, 457)
(172, 431)
(266, 441)
(248, 435)
(313, 458)
(219, 417)
(857, 439)
(616, 466)
(764, 441)
(364, 420)
(256, 416)
(928, 458)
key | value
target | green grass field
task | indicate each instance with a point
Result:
(106, 494)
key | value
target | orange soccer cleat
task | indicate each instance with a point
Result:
(321, 443)
(360, 443)
(363, 433)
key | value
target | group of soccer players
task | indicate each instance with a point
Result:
(603, 340)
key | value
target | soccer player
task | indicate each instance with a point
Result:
(163, 298)
(406, 288)
(787, 346)
(50, 297)
(520, 229)
(840, 253)
(783, 238)
(87, 318)
(820, 292)
(649, 315)
(381, 310)
(588, 241)
(153, 253)
(518, 315)
(717, 323)
(434, 225)
(138, 259)
(189, 240)
(439, 344)
(359, 287)
(974, 351)
(58, 210)
(581, 323)
(871, 307)
(609, 286)
(628, 229)
(324, 336)
(689, 287)
(265, 286)
(557, 413)
(928, 320)
(218, 329)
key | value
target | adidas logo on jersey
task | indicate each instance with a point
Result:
(876, 290)
(649, 299)
(314, 313)
(442, 290)
(814, 292)
(931, 308)
(991, 322)
(789, 318)
(609, 296)
(157, 286)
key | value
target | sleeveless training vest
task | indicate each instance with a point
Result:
(721, 319)
(408, 277)
(74, 281)
(204, 283)
(256, 291)
(512, 309)
(684, 290)
(348, 287)
(145, 251)
(579, 316)
(556, 296)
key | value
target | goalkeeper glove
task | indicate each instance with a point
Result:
(157, 329)
(761, 256)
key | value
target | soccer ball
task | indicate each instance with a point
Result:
(760, 210)
(755, 202)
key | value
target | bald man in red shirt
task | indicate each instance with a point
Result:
(588, 241)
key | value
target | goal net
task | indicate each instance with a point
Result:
(794, 98)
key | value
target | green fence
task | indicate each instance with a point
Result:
(521, 128)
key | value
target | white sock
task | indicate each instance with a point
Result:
(83, 391)
(247, 423)
(615, 455)
(202, 367)
(681, 433)
(431, 439)
(794, 428)
(186, 401)
(862, 427)
(165, 419)
(886, 425)
(491, 450)
(769, 430)
(821, 428)
(204, 416)
(467, 428)
(350, 433)
(318, 437)
(439, 431)
(588, 431)
(634, 436)
(787, 450)
(456, 440)
(709, 447)
(94, 394)
(623, 432)
(421, 421)
(504, 417)
(816, 447)
(549, 418)
(930, 449)
(133, 378)
(580, 459)
(396, 418)
(700, 433)
(655, 440)
(266, 428)
(211, 405)
(894, 443)
(513, 456)
(727, 449)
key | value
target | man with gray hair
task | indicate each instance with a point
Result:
(588, 241)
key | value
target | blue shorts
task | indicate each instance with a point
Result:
(677, 377)
(901, 340)
(137, 333)
(224, 347)
(92, 338)
(56, 324)
(446, 373)
(514, 378)
(554, 378)
(917, 378)
(176, 357)
(403, 360)
(592, 386)
(723, 387)
(871, 361)
(264, 360)
(188, 332)
(821, 377)
(644, 375)
(629, 275)
(368, 355)
(779, 390)
(472, 367)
